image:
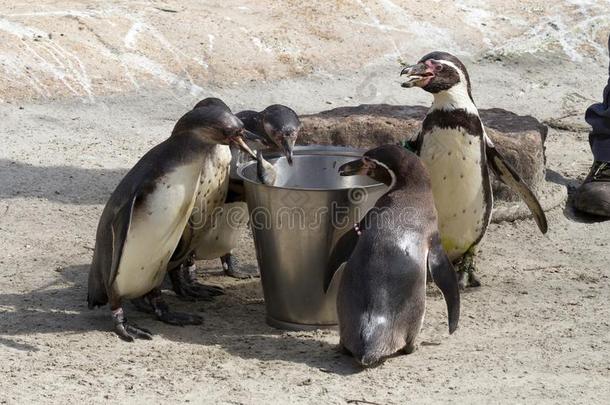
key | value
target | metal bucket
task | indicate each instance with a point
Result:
(296, 223)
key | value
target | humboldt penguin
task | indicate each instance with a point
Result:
(458, 154)
(181, 267)
(147, 213)
(219, 239)
(277, 125)
(276, 128)
(381, 297)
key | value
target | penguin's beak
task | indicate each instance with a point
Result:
(287, 146)
(354, 168)
(417, 75)
(252, 137)
(241, 144)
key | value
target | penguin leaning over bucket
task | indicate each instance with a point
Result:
(146, 215)
(275, 127)
(278, 128)
(458, 154)
(207, 227)
(381, 297)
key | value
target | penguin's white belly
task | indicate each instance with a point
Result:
(223, 234)
(453, 159)
(213, 187)
(154, 232)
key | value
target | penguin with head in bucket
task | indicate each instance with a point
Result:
(147, 213)
(276, 128)
(458, 154)
(381, 298)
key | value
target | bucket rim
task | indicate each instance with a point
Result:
(315, 150)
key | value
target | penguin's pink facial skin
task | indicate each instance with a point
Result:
(285, 141)
(437, 72)
(421, 74)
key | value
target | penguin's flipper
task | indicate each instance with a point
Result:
(445, 278)
(120, 227)
(340, 254)
(509, 176)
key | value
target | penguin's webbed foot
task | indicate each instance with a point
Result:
(161, 310)
(185, 286)
(231, 267)
(409, 348)
(466, 272)
(467, 279)
(126, 331)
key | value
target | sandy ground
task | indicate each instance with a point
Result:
(538, 331)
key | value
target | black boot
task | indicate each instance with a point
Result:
(593, 196)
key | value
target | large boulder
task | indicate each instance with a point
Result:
(519, 138)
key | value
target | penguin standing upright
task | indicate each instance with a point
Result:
(381, 298)
(457, 152)
(276, 128)
(147, 213)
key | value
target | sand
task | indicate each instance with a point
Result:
(537, 331)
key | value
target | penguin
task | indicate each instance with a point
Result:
(458, 154)
(277, 125)
(276, 128)
(208, 227)
(381, 297)
(146, 215)
(223, 235)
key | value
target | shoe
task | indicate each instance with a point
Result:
(593, 195)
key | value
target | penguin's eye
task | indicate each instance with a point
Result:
(438, 67)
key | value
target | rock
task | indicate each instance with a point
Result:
(519, 138)
(364, 126)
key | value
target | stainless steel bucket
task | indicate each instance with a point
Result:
(295, 225)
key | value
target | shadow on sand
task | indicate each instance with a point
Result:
(235, 322)
(64, 184)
